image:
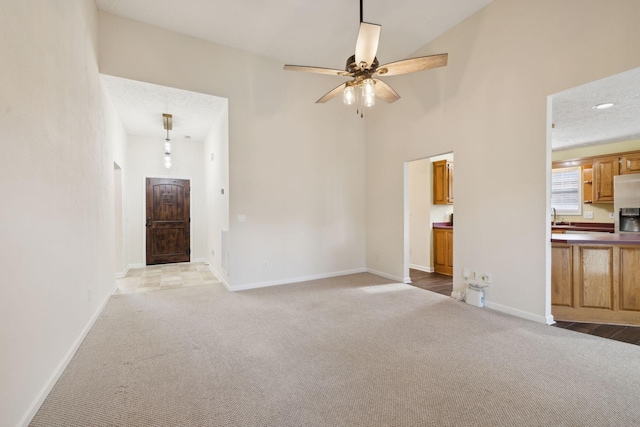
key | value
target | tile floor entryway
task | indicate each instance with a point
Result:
(165, 276)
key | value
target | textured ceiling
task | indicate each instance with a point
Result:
(140, 107)
(578, 124)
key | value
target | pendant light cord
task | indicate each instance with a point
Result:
(361, 20)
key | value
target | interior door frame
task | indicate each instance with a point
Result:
(143, 211)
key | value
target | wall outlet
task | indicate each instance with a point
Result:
(265, 264)
(612, 215)
(466, 273)
(486, 278)
(587, 215)
(474, 275)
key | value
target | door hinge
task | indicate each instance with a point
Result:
(189, 219)
(188, 251)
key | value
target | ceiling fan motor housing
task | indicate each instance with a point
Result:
(354, 68)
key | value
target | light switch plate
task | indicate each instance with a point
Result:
(588, 215)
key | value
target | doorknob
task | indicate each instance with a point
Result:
(148, 221)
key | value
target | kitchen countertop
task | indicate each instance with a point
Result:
(598, 238)
(445, 225)
(584, 226)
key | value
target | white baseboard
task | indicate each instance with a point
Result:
(388, 276)
(218, 275)
(127, 268)
(57, 372)
(519, 313)
(293, 280)
(422, 268)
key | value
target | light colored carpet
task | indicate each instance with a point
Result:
(349, 351)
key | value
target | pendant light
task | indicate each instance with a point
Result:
(167, 120)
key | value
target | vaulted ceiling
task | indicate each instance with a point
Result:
(323, 33)
(302, 32)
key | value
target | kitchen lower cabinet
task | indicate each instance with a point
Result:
(595, 283)
(443, 251)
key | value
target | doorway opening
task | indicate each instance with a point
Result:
(428, 261)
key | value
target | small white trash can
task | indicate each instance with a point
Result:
(475, 297)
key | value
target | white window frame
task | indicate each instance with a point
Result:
(569, 187)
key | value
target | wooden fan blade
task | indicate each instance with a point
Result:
(412, 65)
(317, 70)
(332, 94)
(384, 91)
(367, 43)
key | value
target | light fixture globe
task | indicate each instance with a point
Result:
(349, 95)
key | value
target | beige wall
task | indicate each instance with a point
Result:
(489, 106)
(57, 219)
(420, 200)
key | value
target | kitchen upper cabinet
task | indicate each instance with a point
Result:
(443, 251)
(443, 182)
(630, 163)
(604, 169)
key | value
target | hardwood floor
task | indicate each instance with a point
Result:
(443, 284)
(434, 282)
(628, 334)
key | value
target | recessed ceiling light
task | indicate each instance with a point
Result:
(603, 106)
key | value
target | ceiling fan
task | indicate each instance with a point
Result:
(364, 69)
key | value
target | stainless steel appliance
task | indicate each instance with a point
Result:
(626, 203)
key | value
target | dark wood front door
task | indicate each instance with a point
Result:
(168, 228)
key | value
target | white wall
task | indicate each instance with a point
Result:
(216, 170)
(489, 107)
(56, 221)
(296, 168)
(116, 138)
(145, 159)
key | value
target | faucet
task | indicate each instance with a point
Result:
(555, 216)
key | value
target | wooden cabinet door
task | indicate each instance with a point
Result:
(604, 169)
(443, 251)
(595, 288)
(629, 283)
(450, 182)
(562, 275)
(630, 163)
(168, 222)
(442, 182)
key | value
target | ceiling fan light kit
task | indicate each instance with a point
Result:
(363, 68)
